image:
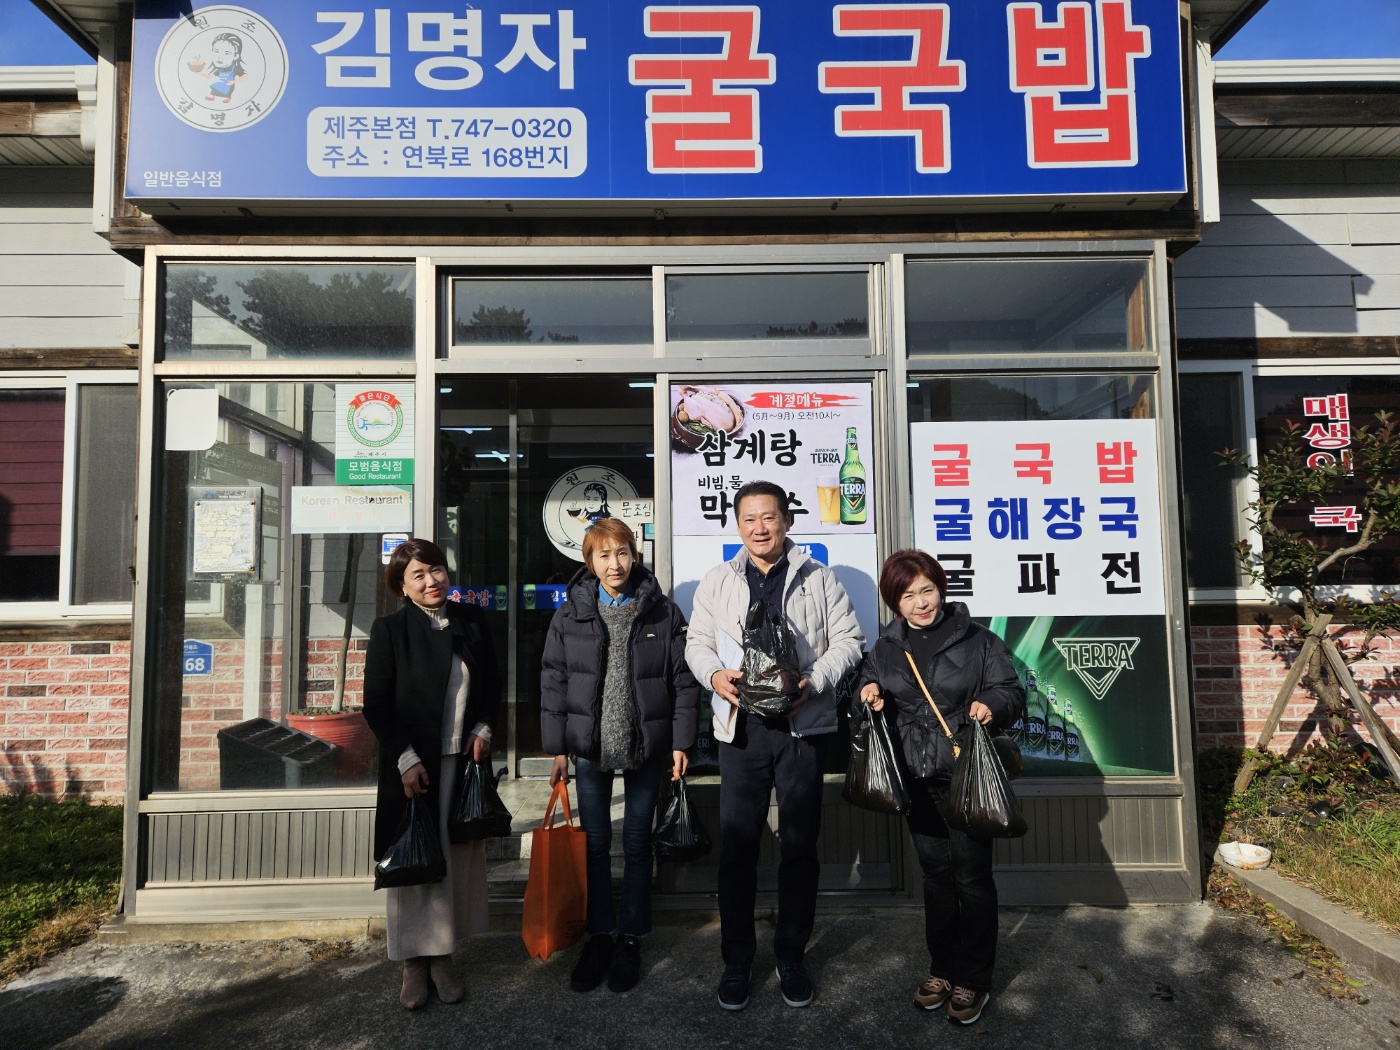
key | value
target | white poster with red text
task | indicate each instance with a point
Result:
(1042, 518)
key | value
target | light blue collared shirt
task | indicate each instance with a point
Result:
(627, 597)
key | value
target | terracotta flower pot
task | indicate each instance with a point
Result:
(350, 733)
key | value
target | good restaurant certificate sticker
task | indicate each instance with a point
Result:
(374, 434)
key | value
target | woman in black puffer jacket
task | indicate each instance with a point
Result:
(969, 674)
(615, 692)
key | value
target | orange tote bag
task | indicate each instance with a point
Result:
(556, 895)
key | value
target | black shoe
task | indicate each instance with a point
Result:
(797, 987)
(734, 987)
(626, 965)
(593, 963)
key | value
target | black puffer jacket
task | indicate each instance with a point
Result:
(663, 691)
(973, 665)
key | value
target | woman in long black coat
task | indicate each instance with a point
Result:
(615, 692)
(968, 671)
(431, 694)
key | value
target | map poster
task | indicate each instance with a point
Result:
(374, 434)
(226, 533)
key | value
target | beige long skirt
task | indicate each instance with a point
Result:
(431, 919)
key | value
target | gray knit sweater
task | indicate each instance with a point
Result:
(620, 736)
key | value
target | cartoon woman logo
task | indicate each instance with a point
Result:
(578, 499)
(225, 68)
(221, 68)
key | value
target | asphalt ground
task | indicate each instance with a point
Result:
(1183, 976)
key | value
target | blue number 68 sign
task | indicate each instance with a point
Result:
(199, 658)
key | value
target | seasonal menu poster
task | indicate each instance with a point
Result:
(794, 434)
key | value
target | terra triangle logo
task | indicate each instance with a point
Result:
(1098, 661)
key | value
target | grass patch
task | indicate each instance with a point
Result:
(1331, 822)
(60, 863)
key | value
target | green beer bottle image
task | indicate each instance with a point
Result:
(1054, 725)
(1035, 718)
(853, 511)
(1073, 751)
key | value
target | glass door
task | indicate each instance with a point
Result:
(525, 466)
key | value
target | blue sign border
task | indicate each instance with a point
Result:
(274, 121)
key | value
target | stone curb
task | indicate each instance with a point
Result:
(1355, 939)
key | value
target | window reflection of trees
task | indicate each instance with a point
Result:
(501, 324)
(292, 311)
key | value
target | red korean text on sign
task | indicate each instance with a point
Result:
(951, 466)
(893, 83)
(1053, 58)
(1037, 466)
(1334, 435)
(1115, 460)
(700, 121)
(1335, 518)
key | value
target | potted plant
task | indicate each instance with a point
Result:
(347, 730)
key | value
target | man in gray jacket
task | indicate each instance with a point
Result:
(757, 754)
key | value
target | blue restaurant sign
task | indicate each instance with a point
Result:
(630, 103)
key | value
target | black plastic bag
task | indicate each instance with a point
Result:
(874, 780)
(980, 801)
(416, 857)
(1012, 761)
(679, 836)
(769, 685)
(477, 810)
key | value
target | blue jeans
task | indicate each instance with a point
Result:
(640, 788)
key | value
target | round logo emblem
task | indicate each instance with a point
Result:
(374, 418)
(221, 68)
(578, 499)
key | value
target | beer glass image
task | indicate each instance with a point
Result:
(829, 499)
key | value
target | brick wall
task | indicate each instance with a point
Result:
(63, 717)
(217, 700)
(1238, 674)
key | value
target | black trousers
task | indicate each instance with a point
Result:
(765, 755)
(960, 896)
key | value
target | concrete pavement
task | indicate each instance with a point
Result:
(1072, 978)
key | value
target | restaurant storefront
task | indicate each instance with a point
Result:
(646, 298)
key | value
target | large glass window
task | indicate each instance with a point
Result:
(966, 306)
(31, 493)
(1040, 497)
(601, 309)
(263, 311)
(1212, 420)
(745, 306)
(584, 449)
(1029, 398)
(1319, 415)
(38, 464)
(267, 579)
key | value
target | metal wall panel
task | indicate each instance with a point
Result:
(1096, 832)
(206, 847)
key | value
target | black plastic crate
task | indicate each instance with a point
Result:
(260, 753)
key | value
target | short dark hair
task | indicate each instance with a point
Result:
(904, 567)
(764, 488)
(426, 551)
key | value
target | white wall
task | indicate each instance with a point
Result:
(60, 284)
(1303, 248)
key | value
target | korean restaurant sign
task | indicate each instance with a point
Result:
(627, 102)
(807, 437)
(1046, 518)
